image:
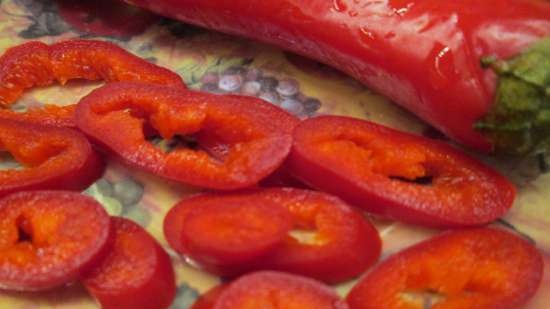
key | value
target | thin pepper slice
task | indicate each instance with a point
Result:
(237, 140)
(52, 158)
(397, 175)
(483, 268)
(329, 240)
(51, 115)
(425, 55)
(277, 290)
(136, 274)
(37, 64)
(50, 238)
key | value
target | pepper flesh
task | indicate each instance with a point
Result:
(397, 175)
(482, 268)
(50, 238)
(424, 55)
(240, 139)
(136, 274)
(277, 290)
(52, 158)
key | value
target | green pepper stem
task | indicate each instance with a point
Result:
(519, 120)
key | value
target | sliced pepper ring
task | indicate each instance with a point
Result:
(482, 268)
(136, 273)
(398, 175)
(240, 139)
(329, 240)
(50, 238)
(37, 64)
(269, 289)
(53, 158)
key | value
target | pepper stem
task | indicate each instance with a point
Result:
(519, 121)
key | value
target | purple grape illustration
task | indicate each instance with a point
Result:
(252, 81)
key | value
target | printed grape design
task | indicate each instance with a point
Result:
(249, 81)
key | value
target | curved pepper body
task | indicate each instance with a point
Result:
(424, 55)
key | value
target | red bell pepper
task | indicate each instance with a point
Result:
(270, 289)
(477, 268)
(50, 238)
(426, 55)
(136, 274)
(329, 241)
(398, 175)
(237, 140)
(52, 158)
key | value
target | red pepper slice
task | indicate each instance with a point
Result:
(240, 139)
(209, 299)
(225, 229)
(335, 242)
(278, 291)
(53, 158)
(49, 238)
(136, 274)
(475, 268)
(37, 64)
(396, 174)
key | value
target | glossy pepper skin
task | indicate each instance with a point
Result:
(482, 268)
(52, 158)
(424, 55)
(50, 238)
(398, 175)
(237, 140)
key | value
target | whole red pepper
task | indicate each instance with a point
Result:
(425, 55)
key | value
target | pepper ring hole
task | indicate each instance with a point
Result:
(23, 233)
(423, 181)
